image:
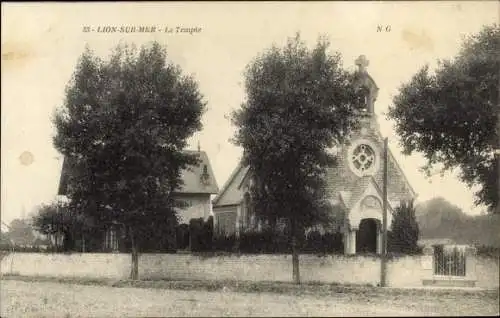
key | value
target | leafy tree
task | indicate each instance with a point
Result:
(403, 237)
(299, 103)
(50, 218)
(438, 218)
(125, 123)
(450, 115)
(58, 218)
(5, 241)
(21, 232)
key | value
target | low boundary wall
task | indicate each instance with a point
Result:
(406, 271)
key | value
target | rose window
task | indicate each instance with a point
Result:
(363, 158)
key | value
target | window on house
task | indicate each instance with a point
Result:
(226, 223)
(111, 239)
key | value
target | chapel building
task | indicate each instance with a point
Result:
(354, 185)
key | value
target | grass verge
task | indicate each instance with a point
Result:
(308, 288)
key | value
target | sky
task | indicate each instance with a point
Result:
(41, 43)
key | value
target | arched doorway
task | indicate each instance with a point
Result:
(366, 236)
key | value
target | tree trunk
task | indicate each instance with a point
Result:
(83, 243)
(57, 241)
(134, 270)
(295, 254)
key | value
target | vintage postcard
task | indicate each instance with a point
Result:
(250, 159)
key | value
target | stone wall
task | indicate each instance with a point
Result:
(88, 265)
(408, 271)
(487, 272)
(328, 269)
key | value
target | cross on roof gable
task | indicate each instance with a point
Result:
(362, 63)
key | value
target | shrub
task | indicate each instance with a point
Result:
(403, 237)
(182, 236)
(224, 243)
(488, 251)
(201, 234)
(323, 243)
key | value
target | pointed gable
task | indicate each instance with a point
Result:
(341, 178)
(370, 192)
(232, 192)
(199, 178)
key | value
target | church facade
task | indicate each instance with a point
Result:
(354, 185)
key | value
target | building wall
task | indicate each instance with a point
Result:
(341, 177)
(408, 271)
(200, 206)
(225, 220)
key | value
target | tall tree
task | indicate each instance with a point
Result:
(299, 103)
(404, 233)
(125, 123)
(450, 114)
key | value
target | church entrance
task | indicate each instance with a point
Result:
(366, 236)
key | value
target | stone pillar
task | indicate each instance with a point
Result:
(346, 239)
(470, 264)
(379, 241)
(352, 242)
(427, 263)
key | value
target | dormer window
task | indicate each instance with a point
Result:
(205, 177)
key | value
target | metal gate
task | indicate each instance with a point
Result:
(449, 260)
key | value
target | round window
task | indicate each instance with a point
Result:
(363, 159)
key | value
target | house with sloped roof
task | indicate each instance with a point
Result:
(199, 185)
(354, 184)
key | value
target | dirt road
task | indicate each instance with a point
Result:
(47, 299)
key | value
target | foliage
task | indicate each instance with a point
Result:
(125, 123)
(57, 217)
(299, 102)
(275, 242)
(21, 232)
(403, 237)
(260, 242)
(182, 236)
(4, 238)
(439, 219)
(488, 251)
(201, 234)
(224, 243)
(324, 243)
(450, 115)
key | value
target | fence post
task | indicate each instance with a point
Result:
(427, 263)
